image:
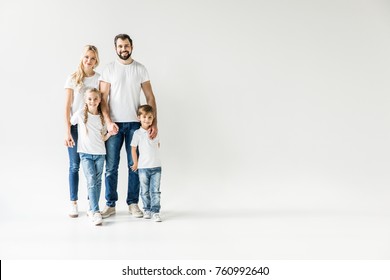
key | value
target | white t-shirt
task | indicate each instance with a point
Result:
(90, 140)
(78, 93)
(149, 151)
(125, 81)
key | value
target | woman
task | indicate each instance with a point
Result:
(83, 78)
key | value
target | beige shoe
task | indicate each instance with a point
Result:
(135, 211)
(108, 211)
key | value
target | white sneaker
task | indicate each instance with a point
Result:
(97, 219)
(74, 211)
(156, 217)
(147, 215)
(135, 211)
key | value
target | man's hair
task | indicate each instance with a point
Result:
(123, 37)
(145, 109)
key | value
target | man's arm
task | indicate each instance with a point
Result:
(150, 100)
(105, 90)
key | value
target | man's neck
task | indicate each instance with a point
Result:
(127, 61)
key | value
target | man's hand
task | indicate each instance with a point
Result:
(153, 131)
(112, 128)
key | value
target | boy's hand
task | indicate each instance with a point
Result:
(134, 167)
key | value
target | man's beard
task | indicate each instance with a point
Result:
(124, 57)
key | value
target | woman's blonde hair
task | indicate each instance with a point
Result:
(79, 75)
(99, 110)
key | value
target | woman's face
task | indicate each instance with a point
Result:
(89, 60)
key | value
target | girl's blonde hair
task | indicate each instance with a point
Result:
(79, 75)
(99, 110)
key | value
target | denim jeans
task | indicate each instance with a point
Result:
(93, 170)
(74, 166)
(113, 148)
(150, 188)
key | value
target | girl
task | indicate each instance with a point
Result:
(85, 76)
(91, 148)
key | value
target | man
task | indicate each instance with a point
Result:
(121, 83)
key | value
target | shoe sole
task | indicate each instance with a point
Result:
(136, 216)
(74, 215)
(108, 215)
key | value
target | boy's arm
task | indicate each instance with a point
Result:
(134, 155)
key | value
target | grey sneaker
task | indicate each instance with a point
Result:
(135, 211)
(156, 217)
(74, 212)
(108, 211)
(147, 215)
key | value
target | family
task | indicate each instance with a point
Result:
(103, 112)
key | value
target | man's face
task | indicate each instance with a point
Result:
(123, 49)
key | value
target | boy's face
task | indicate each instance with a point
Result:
(146, 119)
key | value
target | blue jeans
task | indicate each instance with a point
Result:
(93, 170)
(150, 188)
(113, 148)
(74, 166)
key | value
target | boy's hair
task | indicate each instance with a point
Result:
(145, 109)
(123, 37)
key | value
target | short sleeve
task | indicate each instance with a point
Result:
(75, 118)
(144, 75)
(105, 75)
(135, 140)
(69, 83)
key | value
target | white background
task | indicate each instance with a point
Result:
(273, 117)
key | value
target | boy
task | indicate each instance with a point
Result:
(148, 164)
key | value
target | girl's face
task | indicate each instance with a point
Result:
(89, 60)
(92, 99)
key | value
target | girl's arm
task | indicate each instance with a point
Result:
(69, 142)
(108, 135)
(134, 155)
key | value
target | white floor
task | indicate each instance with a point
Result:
(200, 234)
